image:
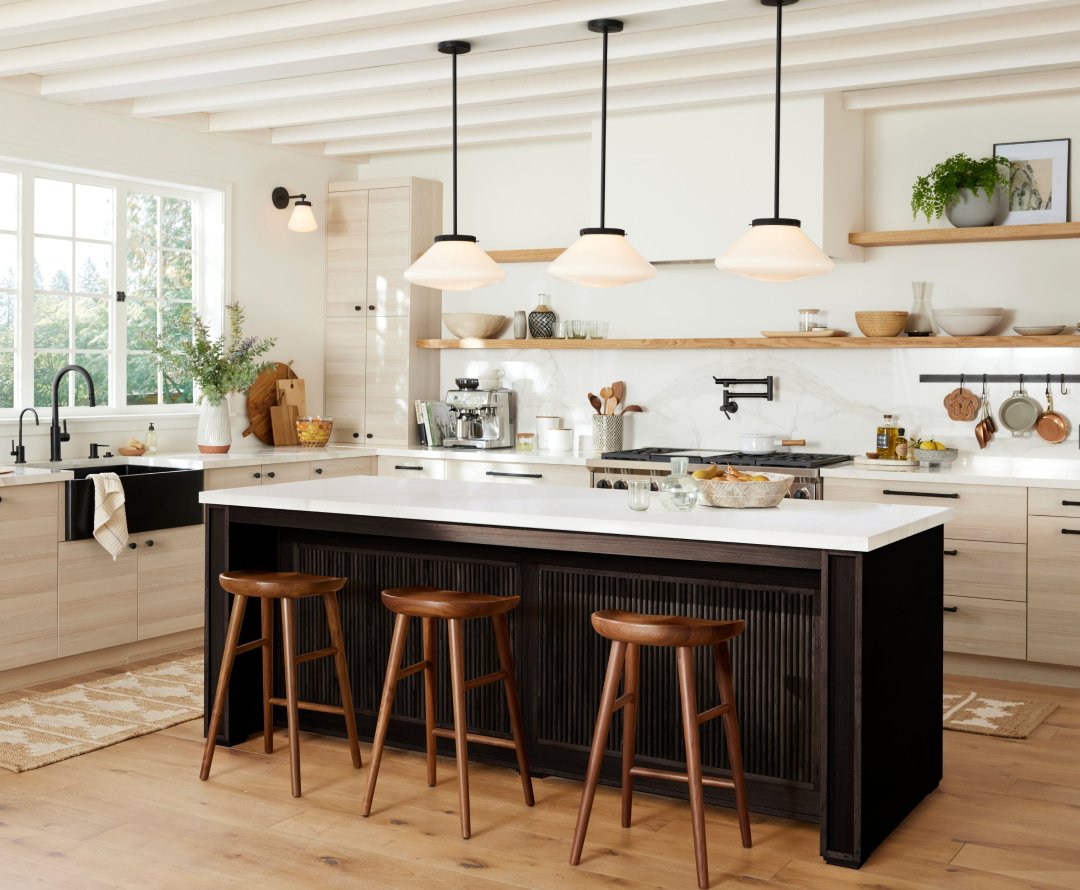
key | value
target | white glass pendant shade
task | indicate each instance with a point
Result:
(601, 258)
(454, 262)
(775, 252)
(302, 219)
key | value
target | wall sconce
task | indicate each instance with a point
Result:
(302, 219)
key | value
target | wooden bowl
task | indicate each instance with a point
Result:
(130, 452)
(466, 325)
(718, 493)
(881, 324)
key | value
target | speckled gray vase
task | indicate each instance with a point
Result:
(972, 209)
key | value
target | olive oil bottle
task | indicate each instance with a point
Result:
(886, 437)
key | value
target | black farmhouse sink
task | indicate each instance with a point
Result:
(155, 497)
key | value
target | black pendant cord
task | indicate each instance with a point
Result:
(776, 147)
(603, 134)
(453, 60)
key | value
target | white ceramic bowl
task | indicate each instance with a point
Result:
(968, 322)
(475, 324)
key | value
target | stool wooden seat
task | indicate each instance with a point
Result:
(287, 587)
(628, 632)
(429, 604)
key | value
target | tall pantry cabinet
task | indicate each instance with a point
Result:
(373, 370)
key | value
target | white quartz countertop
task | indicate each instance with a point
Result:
(498, 455)
(823, 525)
(977, 470)
(22, 475)
(194, 460)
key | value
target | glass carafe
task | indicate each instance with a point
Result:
(678, 491)
(920, 320)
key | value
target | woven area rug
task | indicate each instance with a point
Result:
(967, 711)
(54, 726)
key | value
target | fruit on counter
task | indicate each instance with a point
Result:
(733, 475)
(709, 472)
(930, 445)
(135, 444)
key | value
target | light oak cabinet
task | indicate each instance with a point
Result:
(258, 474)
(985, 557)
(1054, 586)
(29, 520)
(517, 473)
(171, 580)
(412, 467)
(373, 370)
(98, 597)
(343, 466)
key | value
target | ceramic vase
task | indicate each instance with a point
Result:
(214, 435)
(542, 321)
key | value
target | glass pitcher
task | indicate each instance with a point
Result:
(678, 491)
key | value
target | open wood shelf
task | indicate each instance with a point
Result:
(533, 255)
(1061, 340)
(973, 235)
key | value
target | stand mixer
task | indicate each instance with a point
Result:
(482, 418)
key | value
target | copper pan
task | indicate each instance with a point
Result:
(1052, 426)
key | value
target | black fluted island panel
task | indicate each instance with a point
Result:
(838, 676)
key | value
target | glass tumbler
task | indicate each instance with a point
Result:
(638, 490)
(560, 331)
(598, 330)
(580, 330)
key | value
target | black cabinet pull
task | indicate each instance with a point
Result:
(358, 308)
(951, 608)
(132, 545)
(257, 475)
(318, 471)
(951, 552)
(1070, 503)
(922, 494)
(371, 308)
(371, 435)
(150, 542)
(1070, 531)
(406, 467)
(356, 435)
(271, 475)
(516, 475)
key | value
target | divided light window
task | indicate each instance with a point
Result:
(70, 245)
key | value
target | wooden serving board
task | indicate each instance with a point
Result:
(261, 397)
(293, 392)
(283, 424)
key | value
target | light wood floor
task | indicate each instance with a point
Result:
(136, 816)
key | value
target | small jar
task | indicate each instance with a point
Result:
(678, 491)
(808, 319)
(525, 441)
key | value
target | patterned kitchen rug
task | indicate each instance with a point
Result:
(53, 726)
(1009, 718)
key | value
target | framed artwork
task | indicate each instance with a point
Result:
(1038, 181)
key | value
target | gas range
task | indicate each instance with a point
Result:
(612, 468)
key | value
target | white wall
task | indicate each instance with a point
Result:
(833, 399)
(276, 274)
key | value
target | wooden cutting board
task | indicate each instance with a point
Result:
(283, 424)
(261, 397)
(293, 392)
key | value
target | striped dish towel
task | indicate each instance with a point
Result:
(110, 515)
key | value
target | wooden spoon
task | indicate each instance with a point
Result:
(596, 403)
(631, 408)
(618, 389)
(611, 405)
(606, 393)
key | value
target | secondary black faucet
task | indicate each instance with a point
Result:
(55, 435)
(19, 451)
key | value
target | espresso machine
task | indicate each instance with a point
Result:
(481, 418)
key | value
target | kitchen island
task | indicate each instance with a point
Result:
(838, 676)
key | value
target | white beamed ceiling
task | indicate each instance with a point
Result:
(354, 78)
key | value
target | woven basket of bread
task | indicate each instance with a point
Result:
(718, 493)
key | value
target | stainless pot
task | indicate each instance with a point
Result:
(764, 443)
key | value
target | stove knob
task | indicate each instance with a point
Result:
(801, 494)
(603, 483)
(620, 485)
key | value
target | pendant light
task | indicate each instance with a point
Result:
(454, 262)
(776, 248)
(602, 257)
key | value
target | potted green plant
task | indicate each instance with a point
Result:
(965, 190)
(218, 366)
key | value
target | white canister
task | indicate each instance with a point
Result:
(558, 439)
(520, 325)
(545, 422)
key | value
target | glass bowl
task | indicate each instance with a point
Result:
(314, 432)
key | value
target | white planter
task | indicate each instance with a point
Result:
(970, 208)
(214, 435)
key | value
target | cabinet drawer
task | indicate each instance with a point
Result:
(346, 466)
(29, 501)
(412, 467)
(985, 627)
(1054, 502)
(981, 512)
(986, 570)
(519, 473)
(1054, 590)
(232, 477)
(295, 472)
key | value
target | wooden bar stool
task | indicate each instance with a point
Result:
(286, 587)
(628, 632)
(428, 604)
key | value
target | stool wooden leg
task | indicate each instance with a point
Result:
(288, 638)
(232, 637)
(430, 695)
(386, 707)
(461, 723)
(513, 705)
(337, 640)
(684, 657)
(630, 712)
(722, 659)
(266, 607)
(599, 743)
